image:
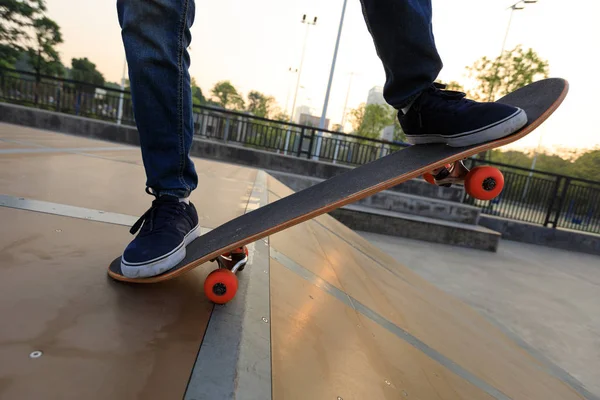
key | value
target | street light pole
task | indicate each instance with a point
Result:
(346, 101)
(287, 99)
(324, 113)
(519, 5)
(308, 24)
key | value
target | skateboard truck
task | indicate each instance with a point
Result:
(221, 285)
(482, 182)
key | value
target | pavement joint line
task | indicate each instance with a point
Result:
(72, 150)
(65, 210)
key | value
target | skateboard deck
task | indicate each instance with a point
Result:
(539, 100)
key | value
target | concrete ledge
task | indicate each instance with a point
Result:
(540, 235)
(413, 227)
(393, 200)
(234, 361)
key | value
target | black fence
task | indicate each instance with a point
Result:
(531, 196)
(543, 198)
(287, 138)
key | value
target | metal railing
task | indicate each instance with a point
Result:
(288, 138)
(532, 196)
(543, 198)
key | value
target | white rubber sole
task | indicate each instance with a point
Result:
(494, 131)
(160, 264)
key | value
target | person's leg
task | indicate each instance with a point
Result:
(403, 36)
(156, 34)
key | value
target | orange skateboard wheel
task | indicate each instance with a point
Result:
(220, 286)
(484, 182)
(429, 178)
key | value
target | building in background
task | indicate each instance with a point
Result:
(308, 110)
(376, 96)
(312, 120)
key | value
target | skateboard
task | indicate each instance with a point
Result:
(437, 163)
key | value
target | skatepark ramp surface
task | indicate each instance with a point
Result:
(321, 313)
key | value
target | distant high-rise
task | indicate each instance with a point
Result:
(376, 96)
(303, 109)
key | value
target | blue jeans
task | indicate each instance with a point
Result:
(403, 37)
(156, 34)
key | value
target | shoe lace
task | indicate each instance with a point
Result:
(159, 211)
(446, 95)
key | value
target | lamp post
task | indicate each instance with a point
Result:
(324, 113)
(519, 5)
(287, 99)
(308, 24)
(346, 101)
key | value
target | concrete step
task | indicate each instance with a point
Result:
(416, 227)
(397, 201)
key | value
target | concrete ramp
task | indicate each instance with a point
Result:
(321, 313)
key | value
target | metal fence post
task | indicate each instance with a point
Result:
(552, 200)
(562, 197)
(310, 145)
(301, 142)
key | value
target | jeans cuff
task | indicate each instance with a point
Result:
(406, 102)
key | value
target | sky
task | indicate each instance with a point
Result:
(254, 43)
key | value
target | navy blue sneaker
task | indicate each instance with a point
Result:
(166, 229)
(446, 116)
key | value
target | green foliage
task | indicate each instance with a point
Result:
(259, 104)
(84, 70)
(43, 56)
(588, 165)
(585, 166)
(197, 95)
(508, 72)
(281, 116)
(16, 19)
(227, 96)
(369, 121)
(26, 32)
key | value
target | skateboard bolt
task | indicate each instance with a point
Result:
(489, 184)
(219, 289)
(35, 354)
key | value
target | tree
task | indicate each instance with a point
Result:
(281, 116)
(43, 56)
(369, 121)
(508, 72)
(227, 95)
(17, 17)
(27, 35)
(83, 70)
(197, 95)
(260, 104)
(588, 165)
